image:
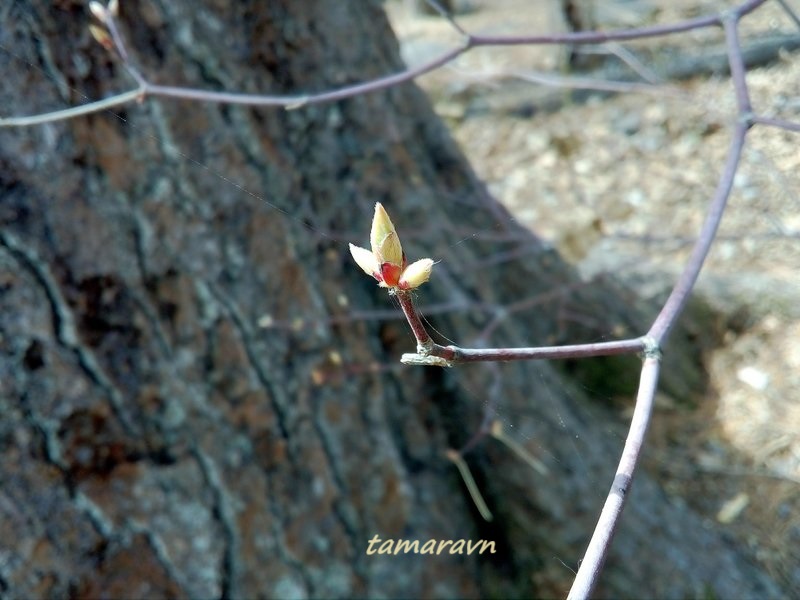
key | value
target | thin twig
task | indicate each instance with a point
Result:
(685, 284)
(630, 59)
(779, 123)
(424, 341)
(111, 24)
(595, 555)
(575, 82)
(469, 481)
(736, 62)
(146, 89)
(498, 433)
(433, 354)
(453, 354)
(72, 112)
(445, 14)
(790, 12)
(596, 552)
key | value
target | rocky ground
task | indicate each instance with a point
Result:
(620, 184)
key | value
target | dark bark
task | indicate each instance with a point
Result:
(425, 8)
(579, 15)
(157, 442)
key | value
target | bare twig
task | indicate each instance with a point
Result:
(445, 14)
(629, 58)
(432, 354)
(424, 341)
(146, 89)
(469, 481)
(576, 82)
(596, 552)
(779, 123)
(683, 287)
(435, 354)
(790, 12)
(500, 435)
(75, 111)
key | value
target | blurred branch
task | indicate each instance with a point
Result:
(790, 12)
(146, 89)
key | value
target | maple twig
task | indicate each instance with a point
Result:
(432, 354)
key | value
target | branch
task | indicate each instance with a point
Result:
(683, 287)
(432, 354)
(790, 13)
(75, 111)
(449, 355)
(779, 123)
(146, 89)
(596, 552)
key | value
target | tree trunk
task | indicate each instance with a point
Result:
(579, 15)
(424, 8)
(189, 406)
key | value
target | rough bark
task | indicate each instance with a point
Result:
(157, 442)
